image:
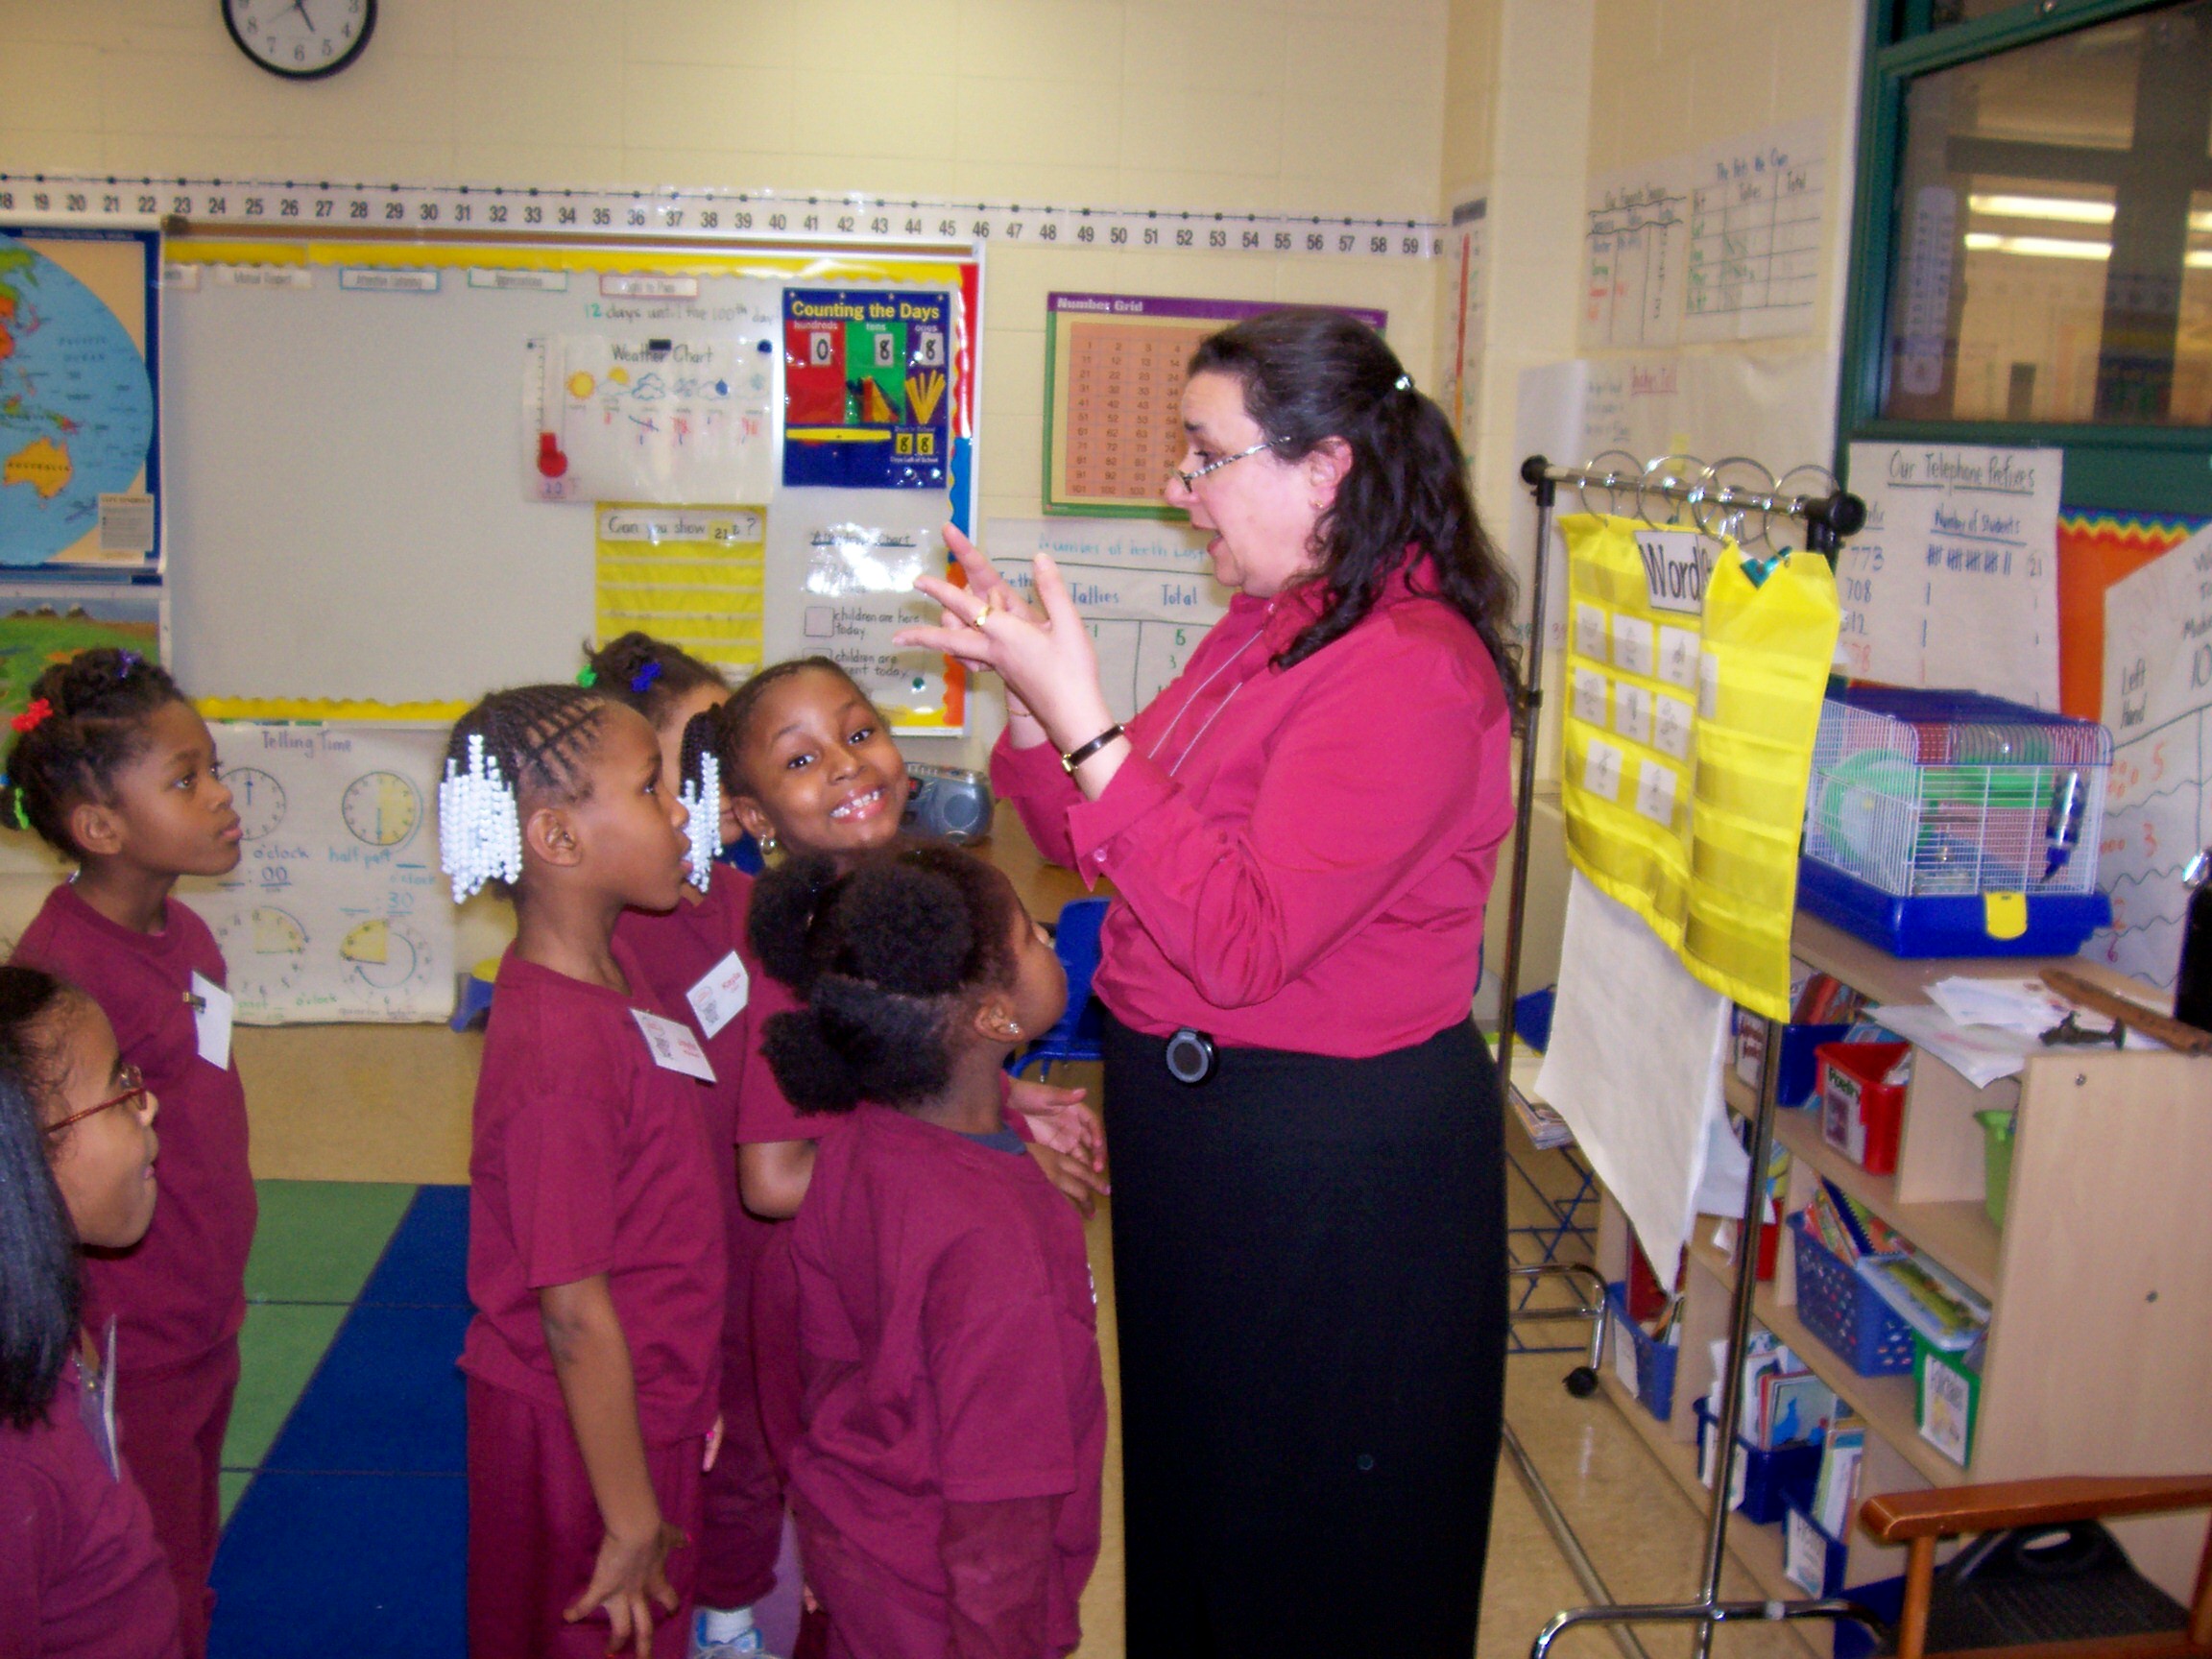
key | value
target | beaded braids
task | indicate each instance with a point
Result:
(87, 719)
(699, 787)
(882, 955)
(648, 674)
(533, 738)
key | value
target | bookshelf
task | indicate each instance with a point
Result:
(2101, 1341)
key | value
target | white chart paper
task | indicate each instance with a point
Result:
(1145, 591)
(1955, 580)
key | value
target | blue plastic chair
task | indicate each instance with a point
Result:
(1079, 1033)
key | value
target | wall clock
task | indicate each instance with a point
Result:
(300, 39)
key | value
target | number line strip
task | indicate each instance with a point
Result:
(732, 216)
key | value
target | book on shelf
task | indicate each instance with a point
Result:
(1928, 1297)
(1835, 1493)
(1545, 1129)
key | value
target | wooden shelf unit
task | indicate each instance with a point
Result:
(2100, 1352)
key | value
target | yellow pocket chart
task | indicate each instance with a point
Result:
(1693, 697)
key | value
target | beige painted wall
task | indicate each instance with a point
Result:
(1321, 105)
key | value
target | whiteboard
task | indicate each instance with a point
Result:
(350, 516)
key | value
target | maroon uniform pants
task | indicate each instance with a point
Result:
(171, 1423)
(534, 1532)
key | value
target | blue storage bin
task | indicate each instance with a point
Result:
(1842, 1308)
(1654, 1360)
(1800, 1075)
(1883, 1596)
(1532, 1018)
(1774, 1476)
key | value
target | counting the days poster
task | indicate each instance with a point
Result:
(866, 377)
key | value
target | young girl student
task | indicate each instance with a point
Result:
(596, 1261)
(113, 769)
(80, 1574)
(947, 1485)
(696, 959)
(811, 769)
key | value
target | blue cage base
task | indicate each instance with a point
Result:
(2058, 923)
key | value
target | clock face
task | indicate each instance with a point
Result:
(381, 808)
(258, 799)
(264, 952)
(300, 39)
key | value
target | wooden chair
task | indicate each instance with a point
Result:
(1919, 1520)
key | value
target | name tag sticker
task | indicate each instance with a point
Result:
(211, 1013)
(675, 1047)
(720, 996)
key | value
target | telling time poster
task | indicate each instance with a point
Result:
(866, 377)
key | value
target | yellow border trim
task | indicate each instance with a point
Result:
(462, 256)
(319, 709)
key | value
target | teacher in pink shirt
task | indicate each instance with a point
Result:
(1309, 1192)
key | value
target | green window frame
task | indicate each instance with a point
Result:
(2163, 470)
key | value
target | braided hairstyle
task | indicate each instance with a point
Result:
(733, 720)
(883, 955)
(540, 737)
(40, 1293)
(87, 720)
(1308, 374)
(650, 675)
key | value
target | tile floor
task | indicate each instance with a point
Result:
(342, 1487)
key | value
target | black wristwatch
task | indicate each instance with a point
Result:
(1075, 758)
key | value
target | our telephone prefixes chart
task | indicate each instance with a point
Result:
(766, 215)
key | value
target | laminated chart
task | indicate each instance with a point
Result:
(866, 374)
(1693, 695)
(661, 420)
(694, 576)
(1114, 365)
(336, 911)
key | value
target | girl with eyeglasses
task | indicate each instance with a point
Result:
(80, 1574)
(1302, 831)
(113, 768)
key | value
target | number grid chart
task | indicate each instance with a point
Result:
(756, 215)
(1114, 365)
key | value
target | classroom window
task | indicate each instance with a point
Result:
(2033, 254)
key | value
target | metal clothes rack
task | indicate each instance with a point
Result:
(1739, 498)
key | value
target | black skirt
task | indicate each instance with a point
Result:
(1309, 1279)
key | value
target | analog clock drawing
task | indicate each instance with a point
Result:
(382, 808)
(257, 797)
(264, 954)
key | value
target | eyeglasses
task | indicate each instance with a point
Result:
(134, 1090)
(1190, 479)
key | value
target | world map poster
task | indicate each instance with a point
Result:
(78, 461)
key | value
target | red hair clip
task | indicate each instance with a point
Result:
(32, 717)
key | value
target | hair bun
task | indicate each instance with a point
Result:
(812, 1074)
(924, 940)
(786, 903)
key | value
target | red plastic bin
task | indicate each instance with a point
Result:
(1861, 1115)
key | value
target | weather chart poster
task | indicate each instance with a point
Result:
(867, 383)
